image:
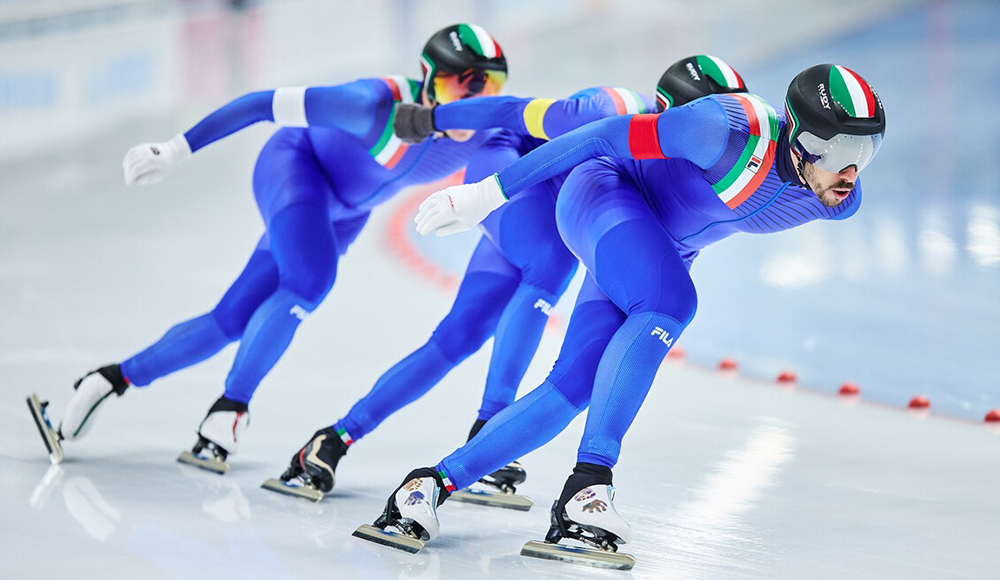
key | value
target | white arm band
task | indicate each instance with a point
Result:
(289, 107)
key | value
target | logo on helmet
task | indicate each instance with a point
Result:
(455, 40)
(693, 72)
(823, 99)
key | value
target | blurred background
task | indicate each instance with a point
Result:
(901, 299)
(721, 477)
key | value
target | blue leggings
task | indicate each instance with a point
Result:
(636, 301)
(519, 269)
(289, 273)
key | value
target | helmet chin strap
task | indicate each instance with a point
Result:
(800, 167)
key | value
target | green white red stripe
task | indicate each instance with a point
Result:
(758, 156)
(627, 102)
(479, 40)
(389, 149)
(446, 481)
(344, 435)
(720, 72)
(852, 92)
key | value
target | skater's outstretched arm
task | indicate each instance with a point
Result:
(352, 107)
(697, 132)
(537, 117)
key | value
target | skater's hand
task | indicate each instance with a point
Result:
(460, 208)
(413, 123)
(151, 162)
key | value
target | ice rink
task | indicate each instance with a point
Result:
(723, 475)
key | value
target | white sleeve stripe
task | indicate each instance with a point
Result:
(289, 107)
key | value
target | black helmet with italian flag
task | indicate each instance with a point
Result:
(695, 77)
(462, 60)
(835, 118)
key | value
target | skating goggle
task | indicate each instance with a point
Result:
(449, 87)
(837, 153)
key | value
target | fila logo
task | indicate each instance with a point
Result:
(544, 306)
(754, 164)
(454, 40)
(663, 335)
(298, 312)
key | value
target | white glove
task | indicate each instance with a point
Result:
(151, 162)
(459, 208)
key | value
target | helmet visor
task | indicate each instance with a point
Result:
(450, 87)
(839, 152)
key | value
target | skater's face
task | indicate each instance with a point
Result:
(450, 87)
(831, 188)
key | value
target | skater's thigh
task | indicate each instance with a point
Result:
(607, 222)
(257, 281)
(304, 246)
(488, 284)
(525, 231)
(594, 321)
(288, 173)
(347, 229)
(595, 197)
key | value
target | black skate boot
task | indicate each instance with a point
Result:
(585, 512)
(503, 481)
(411, 509)
(311, 473)
(218, 435)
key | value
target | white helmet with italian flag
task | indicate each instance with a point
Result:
(835, 118)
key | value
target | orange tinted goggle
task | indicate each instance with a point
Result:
(450, 87)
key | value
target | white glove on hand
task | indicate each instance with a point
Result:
(459, 208)
(151, 162)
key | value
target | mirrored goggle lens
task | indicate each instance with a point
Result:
(471, 83)
(836, 154)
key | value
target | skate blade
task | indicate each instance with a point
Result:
(577, 555)
(214, 465)
(294, 490)
(49, 435)
(493, 499)
(387, 538)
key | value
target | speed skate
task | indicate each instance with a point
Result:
(407, 541)
(596, 557)
(50, 436)
(588, 517)
(206, 455)
(411, 509)
(503, 481)
(295, 487)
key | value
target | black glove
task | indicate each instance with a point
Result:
(413, 123)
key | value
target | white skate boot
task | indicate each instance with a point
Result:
(411, 509)
(588, 516)
(218, 436)
(90, 391)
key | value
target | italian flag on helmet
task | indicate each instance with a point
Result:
(480, 41)
(852, 92)
(720, 72)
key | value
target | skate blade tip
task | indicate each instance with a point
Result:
(276, 485)
(215, 466)
(390, 539)
(576, 555)
(50, 437)
(492, 499)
